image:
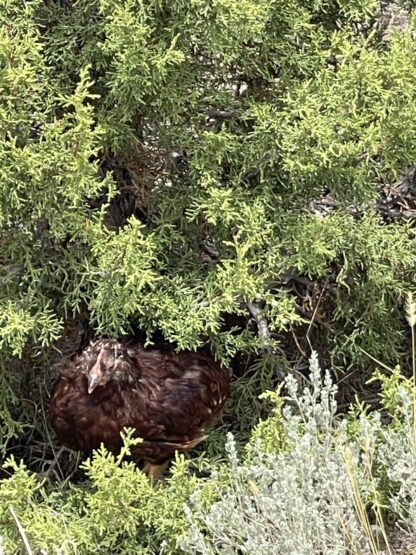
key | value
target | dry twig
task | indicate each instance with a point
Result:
(258, 314)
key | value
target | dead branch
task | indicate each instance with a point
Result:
(262, 325)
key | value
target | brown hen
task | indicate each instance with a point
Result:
(169, 398)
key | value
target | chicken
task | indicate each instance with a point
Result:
(169, 398)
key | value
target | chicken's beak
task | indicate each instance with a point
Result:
(96, 374)
(93, 381)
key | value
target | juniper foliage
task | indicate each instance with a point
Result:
(298, 101)
(269, 106)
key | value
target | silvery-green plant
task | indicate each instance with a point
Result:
(397, 457)
(295, 500)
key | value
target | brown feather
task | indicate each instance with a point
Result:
(169, 398)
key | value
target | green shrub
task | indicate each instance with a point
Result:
(116, 509)
(272, 107)
(298, 101)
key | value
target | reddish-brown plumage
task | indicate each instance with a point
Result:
(170, 398)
